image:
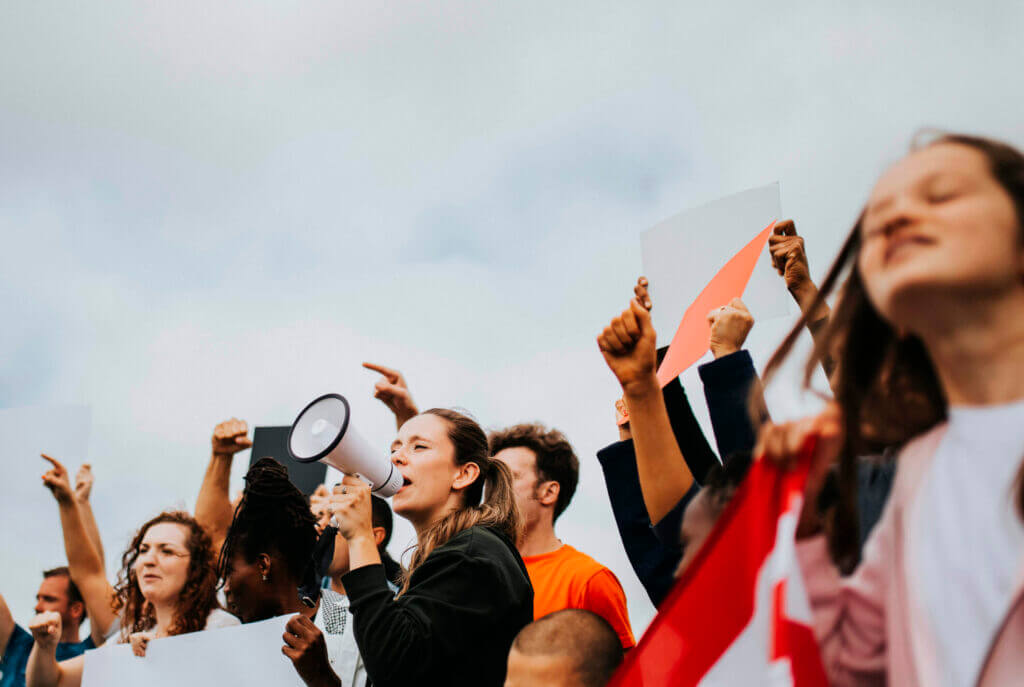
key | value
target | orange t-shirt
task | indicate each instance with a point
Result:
(566, 578)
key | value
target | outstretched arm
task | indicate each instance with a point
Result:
(84, 562)
(628, 347)
(83, 490)
(790, 261)
(43, 670)
(213, 505)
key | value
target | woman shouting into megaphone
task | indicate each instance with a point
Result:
(466, 593)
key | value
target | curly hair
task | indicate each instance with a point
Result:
(195, 600)
(556, 460)
(273, 517)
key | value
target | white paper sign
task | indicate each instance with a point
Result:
(683, 253)
(238, 655)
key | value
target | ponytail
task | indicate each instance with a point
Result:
(489, 501)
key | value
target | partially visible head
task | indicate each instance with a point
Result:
(570, 648)
(58, 593)
(943, 223)
(545, 470)
(451, 481)
(268, 550)
(383, 523)
(942, 226)
(170, 562)
(702, 512)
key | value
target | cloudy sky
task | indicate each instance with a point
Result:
(218, 209)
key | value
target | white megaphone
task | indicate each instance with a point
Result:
(323, 432)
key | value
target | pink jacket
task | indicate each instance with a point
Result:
(866, 623)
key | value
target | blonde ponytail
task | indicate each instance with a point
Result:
(489, 501)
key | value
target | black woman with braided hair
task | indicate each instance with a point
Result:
(269, 568)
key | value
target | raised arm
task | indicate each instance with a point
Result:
(213, 505)
(43, 670)
(729, 380)
(84, 562)
(790, 261)
(628, 347)
(83, 490)
(393, 392)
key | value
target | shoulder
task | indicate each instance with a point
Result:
(914, 459)
(220, 618)
(580, 564)
(479, 542)
(20, 643)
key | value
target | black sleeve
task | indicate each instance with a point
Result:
(692, 442)
(652, 561)
(728, 382)
(451, 603)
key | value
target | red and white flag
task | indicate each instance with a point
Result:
(739, 615)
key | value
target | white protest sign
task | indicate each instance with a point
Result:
(683, 253)
(31, 540)
(237, 655)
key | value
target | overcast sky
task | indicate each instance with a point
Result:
(220, 209)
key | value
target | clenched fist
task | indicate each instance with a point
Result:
(230, 437)
(730, 325)
(628, 347)
(46, 629)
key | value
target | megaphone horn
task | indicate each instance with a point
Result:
(323, 432)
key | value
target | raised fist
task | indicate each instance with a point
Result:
(229, 437)
(46, 629)
(730, 325)
(628, 347)
(393, 392)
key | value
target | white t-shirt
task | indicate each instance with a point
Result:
(334, 620)
(967, 540)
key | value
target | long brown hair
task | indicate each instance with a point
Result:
(885, 383)
(489, 501)
(195, 601)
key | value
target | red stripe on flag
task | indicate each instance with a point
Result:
(715, 599)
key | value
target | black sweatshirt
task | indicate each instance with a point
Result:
(456, 622)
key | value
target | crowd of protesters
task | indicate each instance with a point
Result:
(911, 539)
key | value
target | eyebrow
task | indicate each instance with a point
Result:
(414, 437)
(876, 207)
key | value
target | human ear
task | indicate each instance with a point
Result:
(77, 609)
(468, 473)
(378, 535)
(263, 565)
(548, 492)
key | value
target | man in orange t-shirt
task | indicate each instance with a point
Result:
(545, 471)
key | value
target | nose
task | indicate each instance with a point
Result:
(39, 607)
(398, 457)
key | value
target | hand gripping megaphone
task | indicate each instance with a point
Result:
(323, 432)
